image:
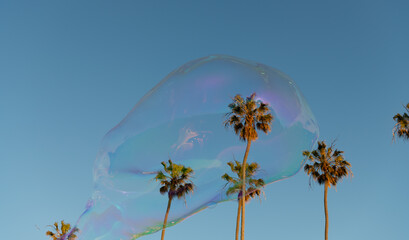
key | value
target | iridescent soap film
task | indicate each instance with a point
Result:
(181, 119)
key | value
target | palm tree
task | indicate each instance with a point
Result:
(327, 167)
(402, 124)
(254, 185)
(245, 117)
(175, 181)
(63, 232)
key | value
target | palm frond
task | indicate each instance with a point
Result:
(247, 116)
(62, 232)
(401, 128)
(326, 165)
(235, 183)
(175, 180)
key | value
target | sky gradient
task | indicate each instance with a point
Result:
(71, 70)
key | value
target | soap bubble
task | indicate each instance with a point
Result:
(181, 118)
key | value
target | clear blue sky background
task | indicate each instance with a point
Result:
(71, 70)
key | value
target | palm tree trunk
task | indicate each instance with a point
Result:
(238, 220)
(166, 219)
(326, 211)
(243, 189)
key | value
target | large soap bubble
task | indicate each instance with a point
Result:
(182, 118)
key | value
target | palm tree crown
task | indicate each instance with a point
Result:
(248, 115)
(175, 180)
(61, 232)
(235, 183)
(401, 128)
(328, 166)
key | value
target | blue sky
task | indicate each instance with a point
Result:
(71, 70)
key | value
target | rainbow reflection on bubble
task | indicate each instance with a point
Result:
(182, 118)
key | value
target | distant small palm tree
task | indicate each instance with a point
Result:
(401, 128)
(63, 232)
(245, 117)
(327, 167)
(175, 181)
(235, 183)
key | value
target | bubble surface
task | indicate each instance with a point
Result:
(182, 118)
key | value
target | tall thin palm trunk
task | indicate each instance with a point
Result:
(166, 219)
(238, 220)
(326, 211)
(243, 189)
